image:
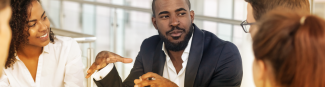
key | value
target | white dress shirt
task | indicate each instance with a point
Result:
(169, 69)
(59, 65)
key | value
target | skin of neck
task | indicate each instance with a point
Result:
(269, 76)
(29, 51)
(175, 55)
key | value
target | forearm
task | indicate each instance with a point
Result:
(109, 77)
(112, 79)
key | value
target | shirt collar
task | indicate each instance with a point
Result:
(189, 44)
(17, 56)
(45, 50)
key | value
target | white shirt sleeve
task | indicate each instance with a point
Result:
(4, 82)
(74, 74)
(99, 75)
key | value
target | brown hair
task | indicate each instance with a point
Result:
(3, 4)
(296, 50)
(260, 7)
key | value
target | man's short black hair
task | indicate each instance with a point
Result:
(154, 5)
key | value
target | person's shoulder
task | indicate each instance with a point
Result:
(219, 50)
(61, 40)
(212, 41)
(211, 38)
(66, 46)
(150, 44)
(151, 41)
(155, 38)
(63, 43)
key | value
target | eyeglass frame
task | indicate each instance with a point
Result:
(242, 25)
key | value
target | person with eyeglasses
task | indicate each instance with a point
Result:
(289, 50)
(270, 67)
(257, 8)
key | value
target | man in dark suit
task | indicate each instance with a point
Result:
(181, 55)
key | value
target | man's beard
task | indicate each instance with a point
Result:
(179, 46)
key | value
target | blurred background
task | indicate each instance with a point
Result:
(120, 26)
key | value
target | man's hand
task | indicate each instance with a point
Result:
(103, 58)
(153, 80)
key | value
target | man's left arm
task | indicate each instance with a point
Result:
(229, 70)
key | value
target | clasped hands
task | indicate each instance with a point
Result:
(149, 79)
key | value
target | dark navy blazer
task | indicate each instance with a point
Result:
(212, 62)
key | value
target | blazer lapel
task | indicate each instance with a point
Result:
(159, 60)
(195, 56)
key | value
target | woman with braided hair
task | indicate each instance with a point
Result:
(36, 57)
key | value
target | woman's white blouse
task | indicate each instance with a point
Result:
(59, 65)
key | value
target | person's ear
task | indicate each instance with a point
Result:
(192, 15)
(154, 22)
